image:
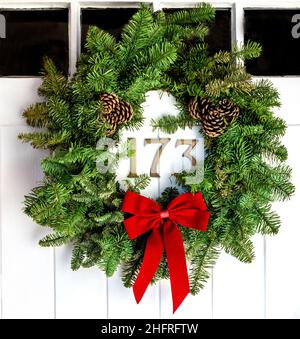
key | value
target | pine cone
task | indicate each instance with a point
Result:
(214, 118)
(198, 108)
(115, 111)
(229, 108)
(109, 102)
(124, 111)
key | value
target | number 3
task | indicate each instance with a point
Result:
(192, 144)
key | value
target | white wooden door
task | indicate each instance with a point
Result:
(38, 283)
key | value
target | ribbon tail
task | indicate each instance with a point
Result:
(176, 263)
(152, 257)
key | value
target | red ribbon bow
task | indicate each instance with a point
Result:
(188, 210)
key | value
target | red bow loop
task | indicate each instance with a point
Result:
(188, 210)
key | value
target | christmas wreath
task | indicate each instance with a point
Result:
(244, 170)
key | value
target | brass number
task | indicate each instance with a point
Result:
(163, 141)
(192, 144)
(132, 145)
(154, 167)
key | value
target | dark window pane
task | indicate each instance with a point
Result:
(111, 20)
(31, 35)
(219, 37)
(281, 50)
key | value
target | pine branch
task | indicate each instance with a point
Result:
(109, 218)
(115, 248)
(44, 140)
(268, 222)
(242, 249)
(54, 83)
(134, 36)
(54, 240)
(249, 50)
(59, 114)
(36, 115)
(137, 184)
(201, 13)
(77, 257)
(131, 269)
(100, 42)
(201, 264)
(170, 123)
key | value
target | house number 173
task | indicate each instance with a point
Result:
(162, 142)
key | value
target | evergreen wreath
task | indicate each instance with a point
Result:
(244, 166)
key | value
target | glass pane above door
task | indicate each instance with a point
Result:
(30, 36)
(278, 31)
(111, 20)
(219, 36)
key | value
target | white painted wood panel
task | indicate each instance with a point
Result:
(15, 96)
(289, 89)
(238, 288)
(38, 283)
(81, 294)
(28, 271)
(172, 161)
(121, 301)
(199, 306)
(283, 251)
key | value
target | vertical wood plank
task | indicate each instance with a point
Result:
(238, 288)
(283, 251)
(81, 294)
(1, 248)
(28, 290)
(288, 88)
(199, 306)
(15, 96)
(27, 269)
(120, 299)
(172, 161)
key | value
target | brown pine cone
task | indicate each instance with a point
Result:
(198, 108)
(213, 123)
(229, 108)
(115, 111)
(109, 102)
(124, 111)
(214, 118)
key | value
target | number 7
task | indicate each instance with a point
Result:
(154, 167)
